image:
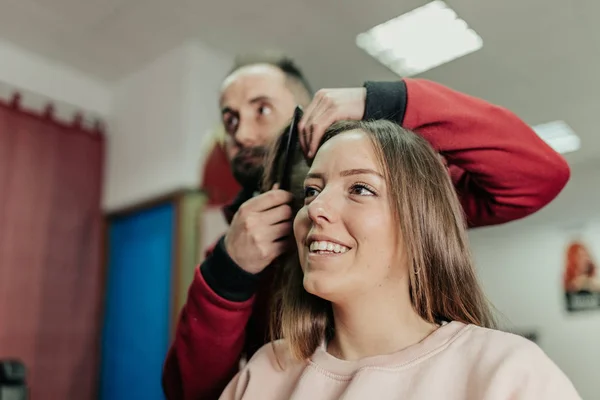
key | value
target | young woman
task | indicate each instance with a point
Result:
(381, 299)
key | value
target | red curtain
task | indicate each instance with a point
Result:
(50, 251)
(218, 181)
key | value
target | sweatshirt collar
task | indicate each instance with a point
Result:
(431, 345)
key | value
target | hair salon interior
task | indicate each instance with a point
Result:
(113, 176)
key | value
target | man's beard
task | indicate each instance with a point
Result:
(247, 166)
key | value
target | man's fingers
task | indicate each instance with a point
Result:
(277, 214)
(308, 111)
(301, 134)
(304, 134)
(279, 230)
(267, 200)
(318, 130)
(312, 126)
(308, 138)
(304, 125)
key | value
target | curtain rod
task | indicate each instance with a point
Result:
(62, 111)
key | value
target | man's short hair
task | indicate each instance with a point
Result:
(277, 60)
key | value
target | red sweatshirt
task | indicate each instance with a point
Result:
(501, 169)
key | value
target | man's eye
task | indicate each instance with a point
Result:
(230, 123)
(264, 110)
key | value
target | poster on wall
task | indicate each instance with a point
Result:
(581, 282)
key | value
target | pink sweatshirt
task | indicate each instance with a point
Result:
(457, 361)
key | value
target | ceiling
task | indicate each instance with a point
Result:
(537, 59)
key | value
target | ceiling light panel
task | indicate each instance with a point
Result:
(421, 39)
(559, 136)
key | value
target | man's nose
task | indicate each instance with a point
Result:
(246, 135)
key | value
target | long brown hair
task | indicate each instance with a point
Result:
(443, 284)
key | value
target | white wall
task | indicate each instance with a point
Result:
(158, 117)
(521, 266)
(205, 71)
(161, 115)
(29, 72)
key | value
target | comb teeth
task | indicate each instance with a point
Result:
(290, 146)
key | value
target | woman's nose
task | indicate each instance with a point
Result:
(322, 209)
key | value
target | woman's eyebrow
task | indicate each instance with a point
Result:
(360, 171)
(315, 175)
(346, 172)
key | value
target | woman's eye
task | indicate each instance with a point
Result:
(310, 192)
(361, 190)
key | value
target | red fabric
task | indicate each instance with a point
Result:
(208, 324)
(50, 252)
(218, 180)
(500, 167)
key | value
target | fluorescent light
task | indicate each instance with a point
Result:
(559, 136)
(421, 39)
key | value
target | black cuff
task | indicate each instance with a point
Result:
(225, 277)
(385, 100)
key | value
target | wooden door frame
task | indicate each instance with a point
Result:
(174, 197)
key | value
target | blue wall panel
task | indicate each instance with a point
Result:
(138, 305)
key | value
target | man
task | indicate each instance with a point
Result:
(501, 169)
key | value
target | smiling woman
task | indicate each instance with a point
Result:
(369, 183)
(381, 298)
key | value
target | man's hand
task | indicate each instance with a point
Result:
(329, 106)
(253, 239)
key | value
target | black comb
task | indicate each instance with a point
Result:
(289, 150)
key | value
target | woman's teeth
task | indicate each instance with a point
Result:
(324, 246)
